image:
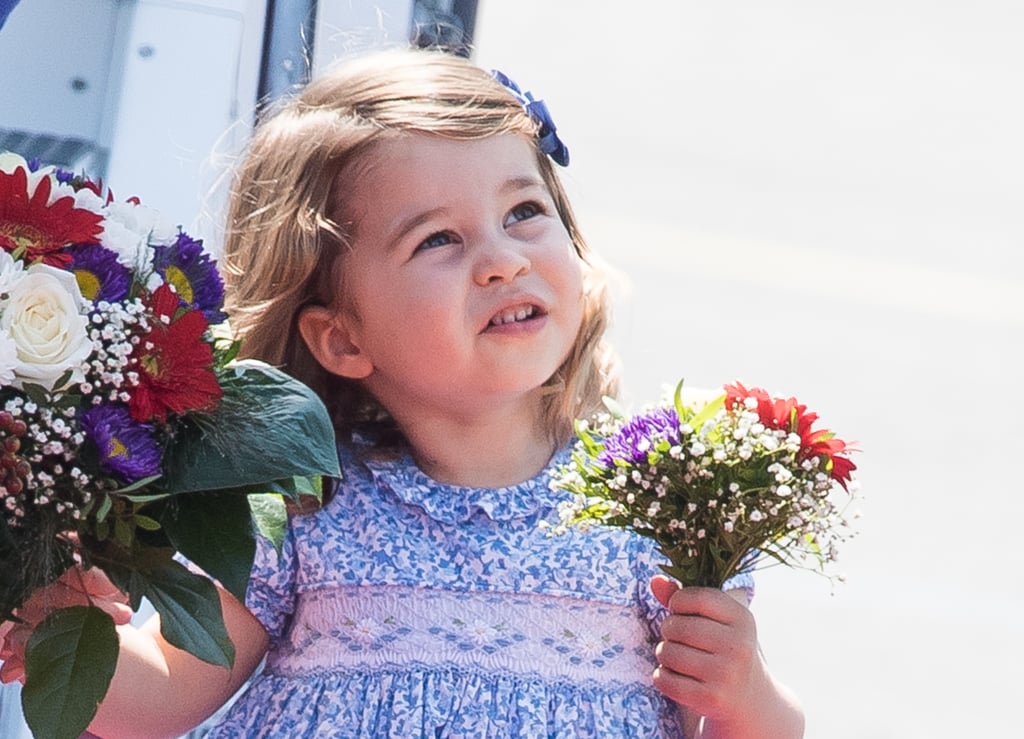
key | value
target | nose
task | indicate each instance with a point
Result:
(500, 259)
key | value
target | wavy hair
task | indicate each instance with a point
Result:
(284, 241)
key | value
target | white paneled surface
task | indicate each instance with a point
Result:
(189, 82)
(51, 79)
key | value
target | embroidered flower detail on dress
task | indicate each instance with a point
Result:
(478, 635)
(369, 634)
(585, 648)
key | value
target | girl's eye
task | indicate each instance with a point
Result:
(524, 211)
(441, 238)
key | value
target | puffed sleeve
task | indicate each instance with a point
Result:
(646, 561)
(271, 594)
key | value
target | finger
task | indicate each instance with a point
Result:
(707, 602)
(663, 588)
(683, 689)
(684, 659)
(698, 632)
(120, 612)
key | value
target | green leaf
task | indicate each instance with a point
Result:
(147, 523)
(270, 517)
(294, 488)
(290, 435)
(215, 531)
(677, 400)
(105, 507)
(69, 662)
(138, 485)
(311, 487)
(709, 410)
(190, 613)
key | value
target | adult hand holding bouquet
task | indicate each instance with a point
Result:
(721, 487)
(128, 433)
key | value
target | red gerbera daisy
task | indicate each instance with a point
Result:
(174, 364)
(793, 417)
(36, 231)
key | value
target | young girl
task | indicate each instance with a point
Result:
(399, 240)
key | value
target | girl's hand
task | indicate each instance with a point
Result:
(710, 663)
(76, 587)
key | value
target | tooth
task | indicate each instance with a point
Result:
(513, 315)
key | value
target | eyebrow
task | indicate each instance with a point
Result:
(511, 185)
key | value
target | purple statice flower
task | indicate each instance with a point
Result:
(636, 437)
(128, 450)
(100, 276)
(193, 274)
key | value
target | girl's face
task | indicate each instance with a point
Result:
(463, 288)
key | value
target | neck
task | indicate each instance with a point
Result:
(497, 449)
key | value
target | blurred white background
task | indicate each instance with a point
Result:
(822, 198)
(825, 199)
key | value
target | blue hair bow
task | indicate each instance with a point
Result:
(548, 140)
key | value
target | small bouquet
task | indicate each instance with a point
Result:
(129, 433)
(721, 486)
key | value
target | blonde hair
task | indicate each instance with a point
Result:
(283, 244)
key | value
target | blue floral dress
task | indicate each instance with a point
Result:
(409, 608)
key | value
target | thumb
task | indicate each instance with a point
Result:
(120, 612)
(663, 588)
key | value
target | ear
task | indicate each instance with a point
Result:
(329, 340)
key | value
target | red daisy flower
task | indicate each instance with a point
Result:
(36, 231)
(824, 444)
(789, 415)
(174, 364)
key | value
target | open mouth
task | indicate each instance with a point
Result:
(515, 315)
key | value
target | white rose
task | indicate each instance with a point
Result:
(45, 317)
(8, 359)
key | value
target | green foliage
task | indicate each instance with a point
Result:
(188, 603)
(225, 478)
(236, 447)
(720, 485)
(69, 662)
(190, 612)
(270, 517)
(215, 531)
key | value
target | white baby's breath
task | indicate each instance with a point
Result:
(721, 488)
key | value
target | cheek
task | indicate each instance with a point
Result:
(587, 287)
(573, 279)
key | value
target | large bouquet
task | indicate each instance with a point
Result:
(128, 433)
(721, 486)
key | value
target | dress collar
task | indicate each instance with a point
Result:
(398, 473)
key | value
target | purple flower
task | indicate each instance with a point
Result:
(636, 437)
(127, 449)
(100, 276)
(193, 274)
